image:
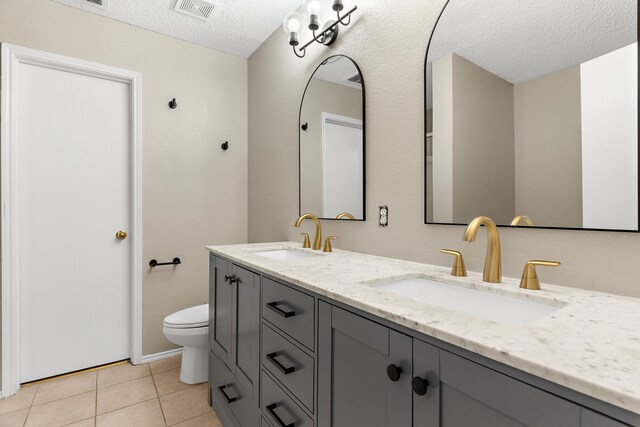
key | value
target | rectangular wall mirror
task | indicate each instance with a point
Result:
(332, 142)
(531, 113)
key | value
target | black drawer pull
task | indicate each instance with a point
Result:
(272, 410)
(393, 372)
(226, 396)
(231, 279)
(281, 368)
(274, 306)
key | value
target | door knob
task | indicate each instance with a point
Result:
(121, 235)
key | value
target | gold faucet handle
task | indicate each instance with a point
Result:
(307, 242)
(530, 277)
(327, 244)
(458, 268)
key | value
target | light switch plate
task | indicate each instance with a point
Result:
(383, 216)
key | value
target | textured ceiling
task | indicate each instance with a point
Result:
(237, 27)
(520, 40)
(337, 70)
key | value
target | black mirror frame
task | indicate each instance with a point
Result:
(364, 140)
(425, 124)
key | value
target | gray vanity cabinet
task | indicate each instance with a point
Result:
(364, 371)
(220, 306)
(235, 340)
(283, 356)
(425, 383)
(492, 399)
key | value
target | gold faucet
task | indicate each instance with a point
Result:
(522, 220)
(327, 244)
(318, 240)
(306, 244)
(346, 215)
(530, 277)
(458, 268)
(493, 263)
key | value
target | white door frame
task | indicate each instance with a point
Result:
(336, 120)
(12, 57)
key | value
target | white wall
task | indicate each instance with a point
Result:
(388, 40)
(609, 140)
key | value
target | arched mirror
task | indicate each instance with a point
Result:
(531, 113)
(332, 141)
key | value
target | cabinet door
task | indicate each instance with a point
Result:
(246, 328)
(354, 357)
(593, 419)
(426, 384)
(221, 304)
(472, 394)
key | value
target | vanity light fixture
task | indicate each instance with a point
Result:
(293, 24)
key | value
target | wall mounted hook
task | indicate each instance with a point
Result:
(305, 126)
(225, 145)
(173, 104)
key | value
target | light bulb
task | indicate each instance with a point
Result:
(292, 23)
(313, 11)
(313, 7)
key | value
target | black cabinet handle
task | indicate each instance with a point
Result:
(272, 410)
(226, 396)
(420, 385)
(286, 371)
(393, 372)
(274, 306)
(231, 279)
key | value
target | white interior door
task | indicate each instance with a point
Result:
(342, 148)
(72, 148)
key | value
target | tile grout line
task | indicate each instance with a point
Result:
(124, 407)
(164, 417)
(193, 418)
(37, 386)
(95, 418)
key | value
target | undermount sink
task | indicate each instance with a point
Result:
(285, 254)
(487, 305)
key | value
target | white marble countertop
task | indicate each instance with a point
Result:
(591, 344)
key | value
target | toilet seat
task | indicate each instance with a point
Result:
(192, 317)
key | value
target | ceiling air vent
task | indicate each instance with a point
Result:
(356, 78)
(97, 4)
(200, 9)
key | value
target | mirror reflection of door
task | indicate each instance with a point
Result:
(537, 116)
(332, 141)
(342, 165)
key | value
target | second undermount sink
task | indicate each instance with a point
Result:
(487, 305)
(285, 254)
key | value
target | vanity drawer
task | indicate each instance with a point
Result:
(226, 391)
(290, 310)
(288, 364)
(278, 407)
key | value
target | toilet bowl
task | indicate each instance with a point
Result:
(190, 329)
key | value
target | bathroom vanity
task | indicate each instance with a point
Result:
(303, 338)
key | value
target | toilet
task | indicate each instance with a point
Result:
(189, 328)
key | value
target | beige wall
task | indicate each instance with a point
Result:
(321, 97)
(388, 40)
(483, 152)
(193, 193)
(548, 149)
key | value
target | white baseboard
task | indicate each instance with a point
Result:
(162, 355)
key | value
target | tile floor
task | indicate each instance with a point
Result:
(148, 395)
